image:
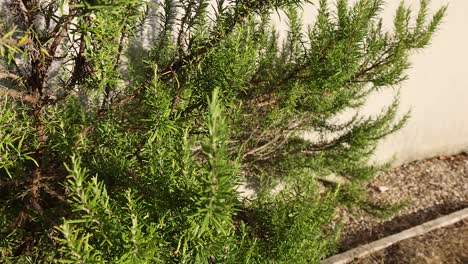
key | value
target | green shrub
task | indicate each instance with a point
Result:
(115, 149)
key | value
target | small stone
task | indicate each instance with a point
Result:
(383, 189)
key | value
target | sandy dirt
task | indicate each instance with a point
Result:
(430, 189)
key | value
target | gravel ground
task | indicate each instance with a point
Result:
(446, 245)
(431, 188)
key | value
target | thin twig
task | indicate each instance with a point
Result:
(4, 91)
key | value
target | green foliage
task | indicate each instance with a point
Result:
(105, 233)
(134, 149)
(212, 222)
(294, 223)
(15, 130)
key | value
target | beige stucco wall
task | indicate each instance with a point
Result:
(436, 92)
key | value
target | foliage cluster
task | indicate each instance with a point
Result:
(118, 150)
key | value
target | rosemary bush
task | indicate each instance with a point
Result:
(117, 151)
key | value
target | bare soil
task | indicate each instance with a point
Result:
(430, 188)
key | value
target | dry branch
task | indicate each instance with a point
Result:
(8, 75)
(17, 95)
(383, 243)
